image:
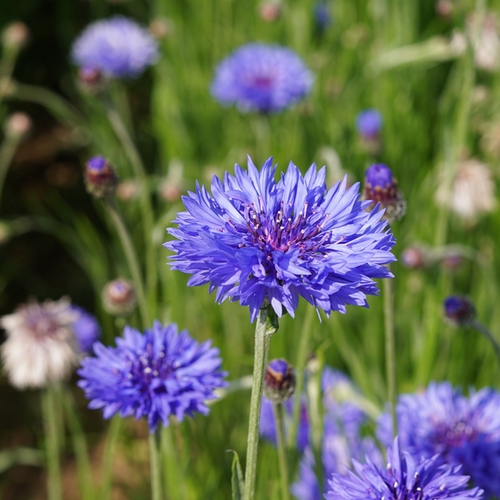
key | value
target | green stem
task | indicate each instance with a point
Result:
(301, 365)
(154, 454)
(484, 331)
(52, 444)
(390, 350)
(263, 333)
(282, 459)
(109, 455)
(7, 151)
(59, 107)
(80, 447)
(173, 472)
(131, 257)
(145, 201)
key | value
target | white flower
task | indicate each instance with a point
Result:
(41, 346)
(472, 192)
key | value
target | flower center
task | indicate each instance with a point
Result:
(42, 325)
(454, 436)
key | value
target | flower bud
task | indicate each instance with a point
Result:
(381, 187)
(369, 125)
(91, 80)
(161, 28)
(322, 16)
(415, 257)
(128, 190)
(100, 177)
(15, 35)
(279, 381)
(270, 11)
(118, 297)
(18, 125)
(459, 310)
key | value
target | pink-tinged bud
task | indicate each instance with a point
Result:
(91, 80)
(270, 11)
(15, 35)
(18, 125)
(161, 28)
(119, 298)
(415, 257)
(100, 177)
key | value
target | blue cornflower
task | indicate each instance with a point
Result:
(465, 431)
(155, 375)
(117, 47)
(260, 77)
(459, 310)
(86, 328)
(322, 15)
(369, 123)
(403, 479)
(342, 440)
(255, 238)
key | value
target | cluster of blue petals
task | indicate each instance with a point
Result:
(463, 430)
(86, 329)
(369, 123)
(254, 238)
(117, 47)
(155, 375)
(402, 479)
(260, 77)
(342, 440)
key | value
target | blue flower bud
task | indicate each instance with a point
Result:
(100, 177)
(279, 381)
(459, 310)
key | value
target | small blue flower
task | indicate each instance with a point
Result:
(369, 123)
(464, 431)
(155, 375)
(255, 238)
(322, 15)
(118, 47)
(404, 478)
(260, 77)
(86, 328)
(459, 310)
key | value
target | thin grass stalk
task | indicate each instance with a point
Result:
(263, 333)
(282, 457)
(390, 350)
(54, 486)
(109, 456)
(131, 256)
(7, 152)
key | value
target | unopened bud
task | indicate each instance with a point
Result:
(118, 297)
(161, 28)
(279, 381)
(15, 35)
(270, 11)
(18, 125)
(459, 310)
(415, 257)
(381, 187)
(128, 190)
(91, 80)
(100, 177)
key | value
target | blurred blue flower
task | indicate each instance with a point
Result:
(342, 439)
(86, 328)
(322, 15)
(155, 375)
(260, 77)
(254, 238)
(464, 431)
(118, 47)
(369, 123)
(459, 310)
(403, 479)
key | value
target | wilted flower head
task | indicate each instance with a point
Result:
(381, 187)
(86, 329)
(255, 238)
(369, 123)
(404, 478)
(459, 310)
(342, 440)
(472, 192)
(464, 431)
(119, 298)
(260, 77)
(100, 177)
(41, 346)
(118, 47)
(155, 375)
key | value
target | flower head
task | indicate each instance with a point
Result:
(100, 177)
(464, 431)
(119, 298)
(279, 381)
(369, 123)
(118, 47)
(381, 187)
(403, 479)
(86, 329)
(260, 77)
(255, 238)
(459, 310)
(41, 346)
(154, 375)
